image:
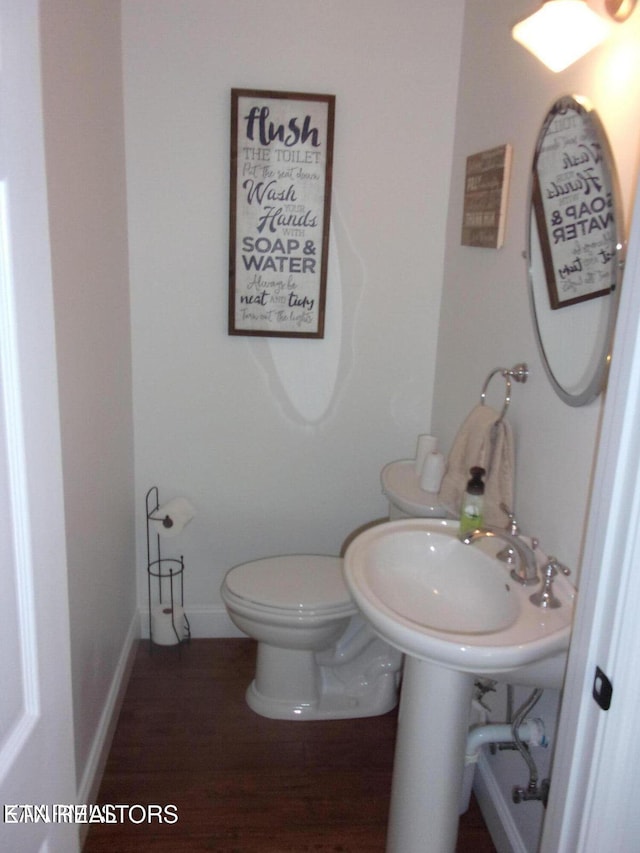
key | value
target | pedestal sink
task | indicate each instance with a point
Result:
(456, 613)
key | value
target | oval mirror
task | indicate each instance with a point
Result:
(575, 249)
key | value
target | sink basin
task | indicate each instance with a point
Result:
(429, 578)
(437, 599)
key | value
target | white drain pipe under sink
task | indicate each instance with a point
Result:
(530, 731)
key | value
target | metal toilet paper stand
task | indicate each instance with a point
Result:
(165, 575)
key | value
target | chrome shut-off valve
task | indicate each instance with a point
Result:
(532, 792)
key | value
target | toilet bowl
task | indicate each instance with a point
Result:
(317, 658)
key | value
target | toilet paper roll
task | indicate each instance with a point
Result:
(432, 472)
(426, 444)
(173, 517)
(167, 625)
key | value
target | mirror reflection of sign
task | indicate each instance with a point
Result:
(575, 209)
(281, 169)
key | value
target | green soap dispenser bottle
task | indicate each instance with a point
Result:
(471, 512)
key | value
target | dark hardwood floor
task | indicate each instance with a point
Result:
(242, 783)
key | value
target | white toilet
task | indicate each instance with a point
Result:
(401, 486)
(317, 658)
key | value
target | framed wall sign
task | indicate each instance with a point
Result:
(574, 202)
(281, 169)
(486, 187)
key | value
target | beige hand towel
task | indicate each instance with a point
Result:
(484, 440)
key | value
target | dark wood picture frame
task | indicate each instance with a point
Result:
(280, 206)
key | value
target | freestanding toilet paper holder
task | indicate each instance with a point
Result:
(168, 623)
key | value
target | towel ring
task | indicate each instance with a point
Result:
(519, 373)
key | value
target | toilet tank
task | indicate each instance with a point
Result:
(401, 486)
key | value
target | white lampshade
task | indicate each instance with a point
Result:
(561, 31)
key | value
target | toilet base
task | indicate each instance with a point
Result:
(357, 676)
(332, 705)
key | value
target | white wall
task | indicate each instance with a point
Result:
(82, 94)
(485, 320)
(279, 443)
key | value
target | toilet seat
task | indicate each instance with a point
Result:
(302, 585)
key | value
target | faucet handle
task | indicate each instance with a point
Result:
(507, 554)
(545, 597)
(513, 524)
(553, 566)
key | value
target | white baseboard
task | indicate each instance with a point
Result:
(206, 620)
(94, 767)
(495, 811)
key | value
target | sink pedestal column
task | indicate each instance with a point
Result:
(429, 760)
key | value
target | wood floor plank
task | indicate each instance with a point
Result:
(242, 783)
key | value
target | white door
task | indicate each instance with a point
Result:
(593, 797)
(36, 729)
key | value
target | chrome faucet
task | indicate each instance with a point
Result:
(526, 571)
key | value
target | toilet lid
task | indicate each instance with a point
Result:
(300, 582)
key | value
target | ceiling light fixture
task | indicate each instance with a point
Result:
(562, 31)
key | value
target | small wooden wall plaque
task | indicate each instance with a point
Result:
(486, 188)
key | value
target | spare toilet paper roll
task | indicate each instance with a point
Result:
(432, 472)
(426, 444)
(173, 517)
(167, 626)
